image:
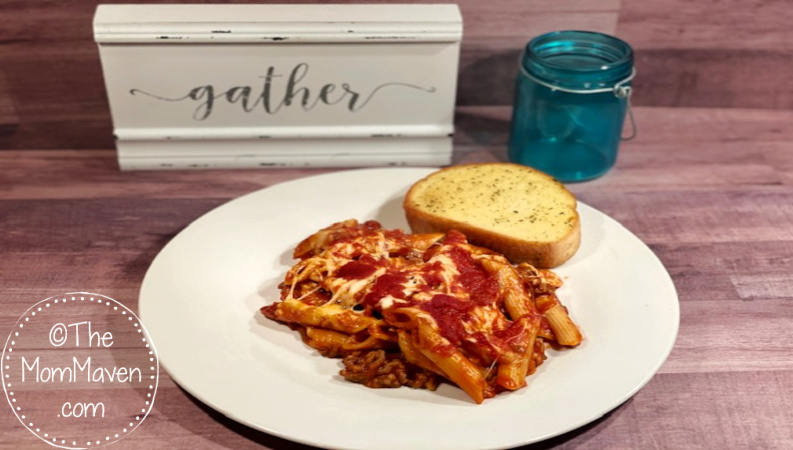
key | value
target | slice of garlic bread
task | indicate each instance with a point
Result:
(523, 213)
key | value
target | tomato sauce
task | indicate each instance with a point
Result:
(432, 276)
(510, 337)
(482, 286)
(449, 313)
(390, 283)
(356, 270)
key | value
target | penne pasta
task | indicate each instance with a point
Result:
(564, 329)
(514, 367)
(408, 310)
(327, 316)
(517, 300)
(327, 342)
(413, 354)
(451, 362)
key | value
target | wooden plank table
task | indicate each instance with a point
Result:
(709, 190)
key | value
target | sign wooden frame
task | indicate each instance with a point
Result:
(202, 86)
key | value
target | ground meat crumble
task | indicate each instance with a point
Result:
(378, 369)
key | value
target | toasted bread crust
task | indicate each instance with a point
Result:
(526, 214)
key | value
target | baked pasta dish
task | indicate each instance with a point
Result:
(419, 309)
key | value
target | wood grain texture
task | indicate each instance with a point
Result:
(723, 77)
(496, 33)
(694, 54)
(707, 184)
(710, 53)
(709, 190)
(708, 24)
(54, 77)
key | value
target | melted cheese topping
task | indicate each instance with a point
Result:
(346, 291)
(371, 271)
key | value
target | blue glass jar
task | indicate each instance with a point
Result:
(571, 97)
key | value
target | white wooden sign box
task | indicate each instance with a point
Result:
(194, 86)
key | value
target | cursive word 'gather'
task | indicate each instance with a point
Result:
(269, 99)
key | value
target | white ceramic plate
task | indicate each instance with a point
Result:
(201, 296)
